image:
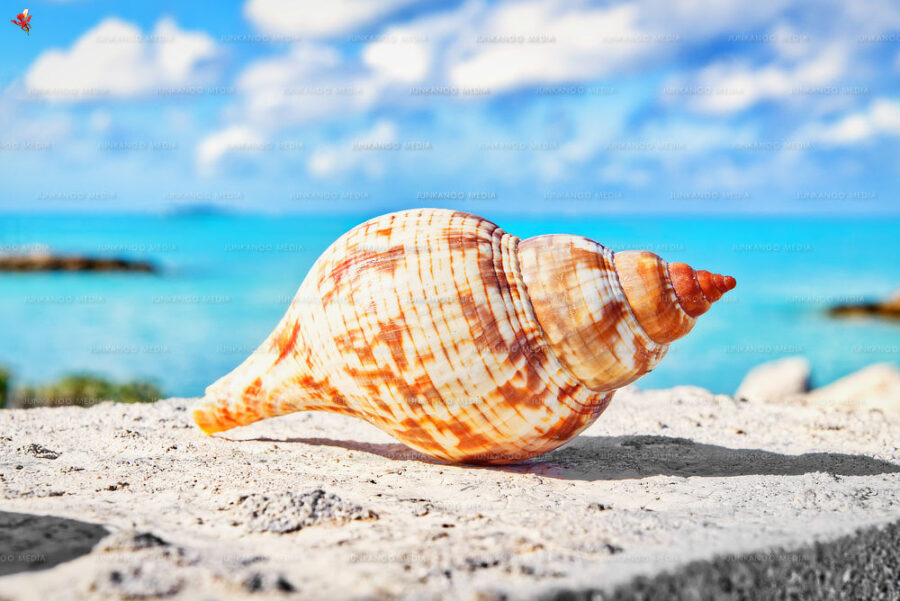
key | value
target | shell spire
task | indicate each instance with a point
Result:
(698, 290)
(667, 297)
(463, 341)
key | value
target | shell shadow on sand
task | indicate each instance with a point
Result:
(634, 457)
(37, 542)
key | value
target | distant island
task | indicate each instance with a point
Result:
(197, 210)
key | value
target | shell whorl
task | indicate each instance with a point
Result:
(609, 317)
(462, 341)
(584, 312)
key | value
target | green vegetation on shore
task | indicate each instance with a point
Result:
(4, 387)
(75, 389)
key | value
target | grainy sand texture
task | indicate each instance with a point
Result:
(674, 494)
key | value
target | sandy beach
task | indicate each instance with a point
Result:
(671, 494)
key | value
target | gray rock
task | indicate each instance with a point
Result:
(137, 579)
(851, 568)
(874, 387)
(39, 451)
(775, 381)
(140, 565)
(289, 511)
(262, 582)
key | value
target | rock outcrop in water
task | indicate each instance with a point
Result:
(48, 262)
(889, 309)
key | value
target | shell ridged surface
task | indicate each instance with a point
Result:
(439, 328)
(584, 313)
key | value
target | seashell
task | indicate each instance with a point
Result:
(462, 341)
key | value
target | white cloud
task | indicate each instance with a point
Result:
(316, 18)
(314, 80)
(116, 60)
(537, 42)
(500, 47)
(397, 60)
(363, 152)
(217, 146)
(881, 118)
(180, 51)
(811, 46)
(731, 86)
(412, 52)
(515, 44)
(309, 82)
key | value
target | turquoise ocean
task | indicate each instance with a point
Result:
(225, 281)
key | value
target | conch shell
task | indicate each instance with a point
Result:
(465, 342)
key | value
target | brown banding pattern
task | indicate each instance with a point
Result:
(644, 278)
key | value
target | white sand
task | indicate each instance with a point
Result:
(661, 479)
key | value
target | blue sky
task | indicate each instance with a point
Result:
(526, 106)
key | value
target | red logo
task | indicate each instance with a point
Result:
(24, 21)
